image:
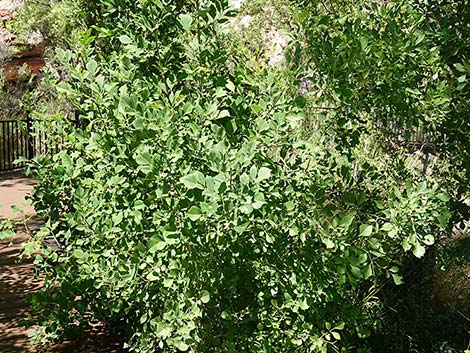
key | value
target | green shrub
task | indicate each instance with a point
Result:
(191, 209)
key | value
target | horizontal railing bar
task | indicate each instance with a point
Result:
(12, 121)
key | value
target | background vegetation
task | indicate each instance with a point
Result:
(211, 202)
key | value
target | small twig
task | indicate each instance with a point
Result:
(466, 318)
(324, 108)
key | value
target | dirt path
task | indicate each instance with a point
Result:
(17, 280)
(14, 187)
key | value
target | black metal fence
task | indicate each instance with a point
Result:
(414, 139)
(21, 138)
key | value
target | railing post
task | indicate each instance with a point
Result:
(29, 127)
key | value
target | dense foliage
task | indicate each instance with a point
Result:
(375, 63)
(195, 205)
(449, 22)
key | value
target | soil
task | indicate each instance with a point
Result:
(14, 189)
(17, 280)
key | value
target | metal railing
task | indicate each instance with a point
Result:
(21, 138)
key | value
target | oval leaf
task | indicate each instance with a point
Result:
(205, 296)
(185, 20)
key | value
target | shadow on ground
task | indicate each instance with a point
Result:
(17, 280)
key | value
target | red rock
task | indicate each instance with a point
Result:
(11, 68)
(28, 51)
(6, 15)
(6, 37)
(24, 50)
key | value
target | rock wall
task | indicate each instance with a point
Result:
(19, 56)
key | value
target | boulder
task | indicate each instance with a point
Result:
(33, 46)
(6, 15)
(12, 68)
(28, 52)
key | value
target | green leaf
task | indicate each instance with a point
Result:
(428, 239)
(290, 205)
(168, 282)
(246, 208)
(397, 279)
(117, 218)
(181, 346)
(365, 230)
(125, 39)
(91, 66)
(328, 243)
(259, 201)
(419, 250)
(405, 243)
(205, 296)
(460, 67)
(151, 277)
(263, 174)
(356, 271)
(139, 124)
(64, 88)
(346, 220)
(253, 172)
(242, 227)
(244, 179)
(269, 238)
(225, 315)
(31, 247)
(444, 197)
(163, 330)
(419, 37)
(79, 254)
(185, 20)
(364, 42)
(223, 114)
(391, 229)
(209, 208)
(143, 318)
(442, 220)
(413, 91)
(193, 181)
(6, 234)
(230, 86)
(368, 271)
(340, 326)
(303, 304)
(156, 244)
(194, 213)
(145, 162)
